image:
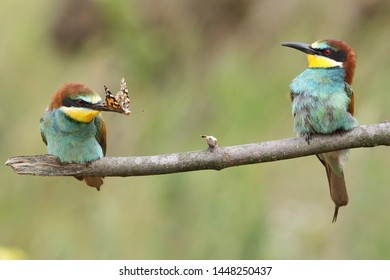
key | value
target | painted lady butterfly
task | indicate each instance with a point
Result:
(120, 102)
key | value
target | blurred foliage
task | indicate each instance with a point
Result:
(193, 68)
(11, 254)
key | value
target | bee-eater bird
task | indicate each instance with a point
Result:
(73, 129)
(323, 103)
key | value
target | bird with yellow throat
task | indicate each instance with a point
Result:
(323, 103)
(73, 129)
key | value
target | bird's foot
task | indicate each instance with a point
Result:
(340, 132)
(308, 138)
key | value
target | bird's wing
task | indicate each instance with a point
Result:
(42, 127)
(349, 92)
(291, 95)
(101, 130)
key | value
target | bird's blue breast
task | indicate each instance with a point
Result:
(321, 102)
(68, 140)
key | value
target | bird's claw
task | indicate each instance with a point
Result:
(308, 138)
(340, 131)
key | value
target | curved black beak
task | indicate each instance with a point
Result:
(306, 48)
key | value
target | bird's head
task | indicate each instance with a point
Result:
(78, 102)
(328, 54)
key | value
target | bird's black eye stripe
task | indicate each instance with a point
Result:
(69, 102)
(333, 54)
(80, 102)
(338, 56)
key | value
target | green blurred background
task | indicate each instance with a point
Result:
(193, 68)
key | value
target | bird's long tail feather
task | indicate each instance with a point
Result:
(91, 181)
(334, 170)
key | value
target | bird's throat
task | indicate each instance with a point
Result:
(317, 61)
(82, 115)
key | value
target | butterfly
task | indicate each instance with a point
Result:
(121, 101)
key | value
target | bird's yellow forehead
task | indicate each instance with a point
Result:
(79, 114)
(316, 45)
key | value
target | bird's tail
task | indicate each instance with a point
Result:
(333, 163)
(91, 181)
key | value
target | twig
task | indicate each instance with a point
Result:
(216, 158)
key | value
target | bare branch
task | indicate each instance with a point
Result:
(216, 158)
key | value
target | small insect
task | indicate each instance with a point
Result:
(120, 102)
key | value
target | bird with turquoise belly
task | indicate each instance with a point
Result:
(73, 129)
(323, 103)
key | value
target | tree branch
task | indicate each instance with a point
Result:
(215, 157)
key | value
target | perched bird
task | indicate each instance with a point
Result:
(323, 103)
(73, 129)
